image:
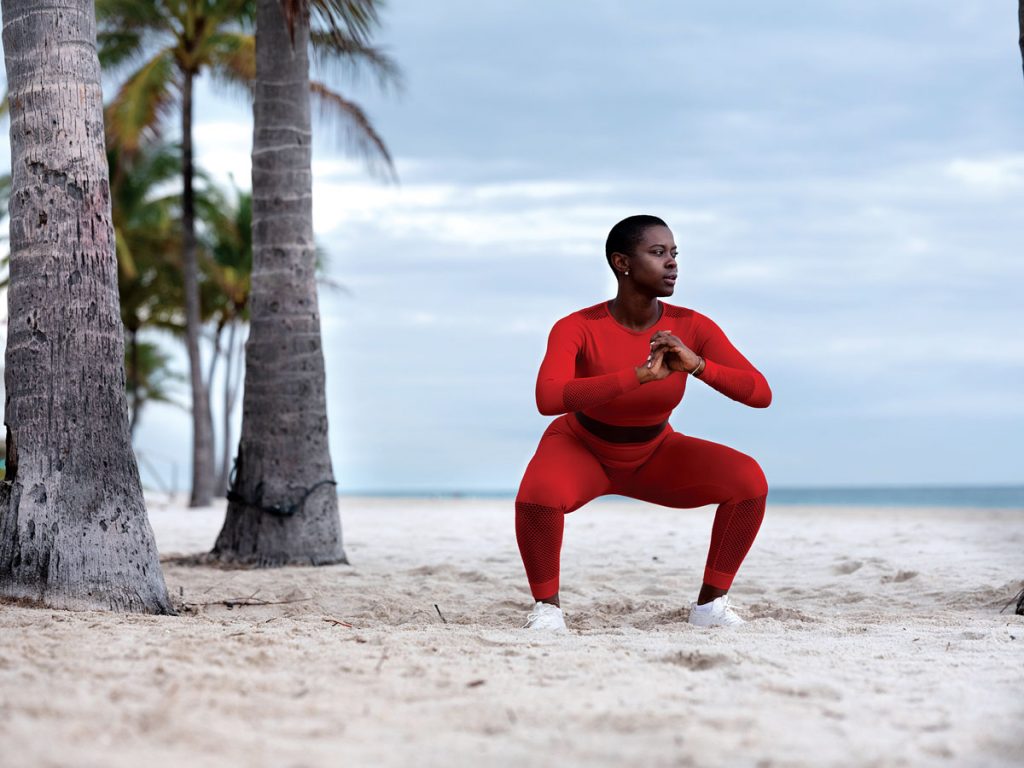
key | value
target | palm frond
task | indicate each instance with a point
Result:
(125, 260)
(118, 47)
(137, 15)
(242, 12)
(353, 57)
(140, 107)
(231, 57)
(356, 130)
(134, 176)
(357, 17)
(334, 285)
(154, 373)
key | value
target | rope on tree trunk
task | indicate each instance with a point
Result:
(235, 497)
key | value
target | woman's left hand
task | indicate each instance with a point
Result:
(678, 356)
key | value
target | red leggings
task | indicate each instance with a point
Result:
(572, 466)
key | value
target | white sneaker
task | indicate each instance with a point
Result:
(717, 613)
(547, 617)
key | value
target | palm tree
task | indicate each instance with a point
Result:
(147, 231)
(188, 36)
(229, 279)
(73, 525)
(177, 40)
(283, 507)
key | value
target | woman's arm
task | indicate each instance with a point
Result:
(558, 389)
(727, 370)
(723, 367)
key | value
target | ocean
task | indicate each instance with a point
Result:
(978, 496)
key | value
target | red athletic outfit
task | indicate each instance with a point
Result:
(590, 367)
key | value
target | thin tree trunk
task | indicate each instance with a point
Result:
(218, 352)
(202, 420)
(214, 360)
(284, 508)
(73, 526)
(1020, 19)
(133, 381)
(229, 405)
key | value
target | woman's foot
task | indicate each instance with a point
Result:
(546, 616)
(716, 613)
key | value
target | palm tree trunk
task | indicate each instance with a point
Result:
(211, 371)
(202, 419)
(1020, 19)
(73, 526)
(230, 390)
(283, 508)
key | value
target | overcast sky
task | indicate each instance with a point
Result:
(845, 181)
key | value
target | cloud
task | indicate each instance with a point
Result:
(998, 175)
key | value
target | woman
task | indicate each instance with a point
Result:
(615, 371)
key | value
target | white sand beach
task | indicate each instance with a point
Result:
(875, 640)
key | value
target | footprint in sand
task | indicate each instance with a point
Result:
(900, 576)
(778, 612)
(845, 569)
(695, 660)
(656, 591)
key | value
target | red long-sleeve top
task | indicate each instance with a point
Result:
(591, 362)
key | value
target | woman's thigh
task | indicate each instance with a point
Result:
(686, 471)
(563, 473)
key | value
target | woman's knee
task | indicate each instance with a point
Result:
(750, 482)
(537, 495)
(554, 486)
(543, 490)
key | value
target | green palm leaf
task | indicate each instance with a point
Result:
(231, 58)
(142, 104)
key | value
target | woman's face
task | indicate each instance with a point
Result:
(652, 267)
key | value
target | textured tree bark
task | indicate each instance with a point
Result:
(202, 418)
(73, 526)
(283, 452)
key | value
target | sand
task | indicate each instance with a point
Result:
(875, 640)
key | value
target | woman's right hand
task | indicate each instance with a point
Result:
(654, 368)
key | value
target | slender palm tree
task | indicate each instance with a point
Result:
(228, 271)
(176, 41)
(283, 507)
(73, 525)
(147, 232)
(186, 43)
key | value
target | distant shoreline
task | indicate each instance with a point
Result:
(987, 497)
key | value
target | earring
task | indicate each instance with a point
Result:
(626, 273)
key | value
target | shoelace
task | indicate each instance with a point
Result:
(534, 615)
(728, 613)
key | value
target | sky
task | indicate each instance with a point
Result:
(845, 182)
